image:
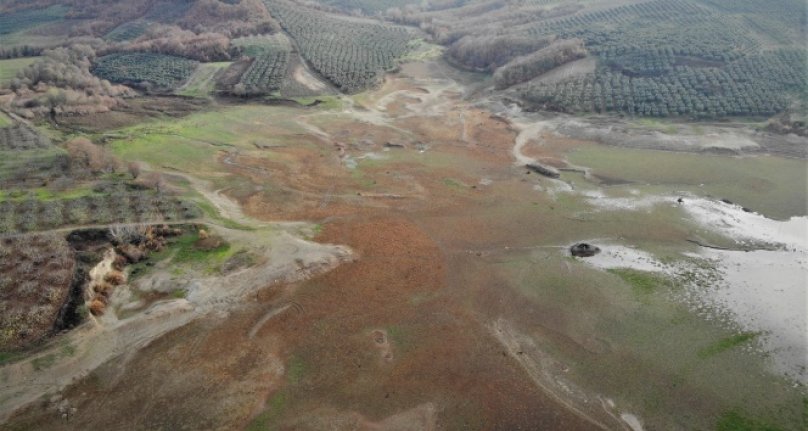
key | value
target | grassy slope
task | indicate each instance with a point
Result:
(191, 144)
(9, 69)
(203, 80)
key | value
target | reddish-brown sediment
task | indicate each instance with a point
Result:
(418, 281)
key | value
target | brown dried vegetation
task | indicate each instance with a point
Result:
(35, 276)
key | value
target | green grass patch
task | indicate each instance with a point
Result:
(295, 370)
(641, 282)
(68, 350)
(4, 120)
(201, 84)
(179, 294)
(655, 124)
(267, 420)
(8, 357)
(361, 179)
(9, 68)
(212, 213)
(451, 182)
(773, 186)
(184, 251)
(44, 362)
(421, 50)
(46, 194)
(727, 344)
(734, 421)
(188, 250)
(191, 144)
(325, 102)
(166, 150)
(400, 337)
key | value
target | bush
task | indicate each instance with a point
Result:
(97, 307)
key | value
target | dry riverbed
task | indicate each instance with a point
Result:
(451, 301)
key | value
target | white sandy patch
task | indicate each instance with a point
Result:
(600, 200)
(619, 256)
(527, 132)
(632, 421)
(723, 140)
(305, 78)
(736, 223)
(764, 291)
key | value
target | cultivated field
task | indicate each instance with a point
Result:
(35, 276)
(24, 20)
(708, 59)
(9, 68)
(268, 65)
(352, 54)
(153, 71)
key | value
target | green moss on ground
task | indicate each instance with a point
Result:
(728, 343)
(761, 183)
(734, 421)
(4, 120)
(267, 420)
(642, 282)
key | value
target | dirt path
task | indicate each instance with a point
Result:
(527, 132)
(545, 373)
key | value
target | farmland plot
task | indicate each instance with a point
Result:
(671, 58)
(128, 31)
(352, 54)
(168, 11)
(657, 58)
(26, 19)
(27, 156)
(21, 137)
(146, 70)
(36, 274)
(269, 65)
(30, 214)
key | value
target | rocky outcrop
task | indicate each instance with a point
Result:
(583, 249)
(547, 171)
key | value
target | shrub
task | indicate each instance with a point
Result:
(97, 307)
(115, 278)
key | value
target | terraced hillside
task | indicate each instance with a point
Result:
(352, 54)
(269, 63)
(691, 58)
